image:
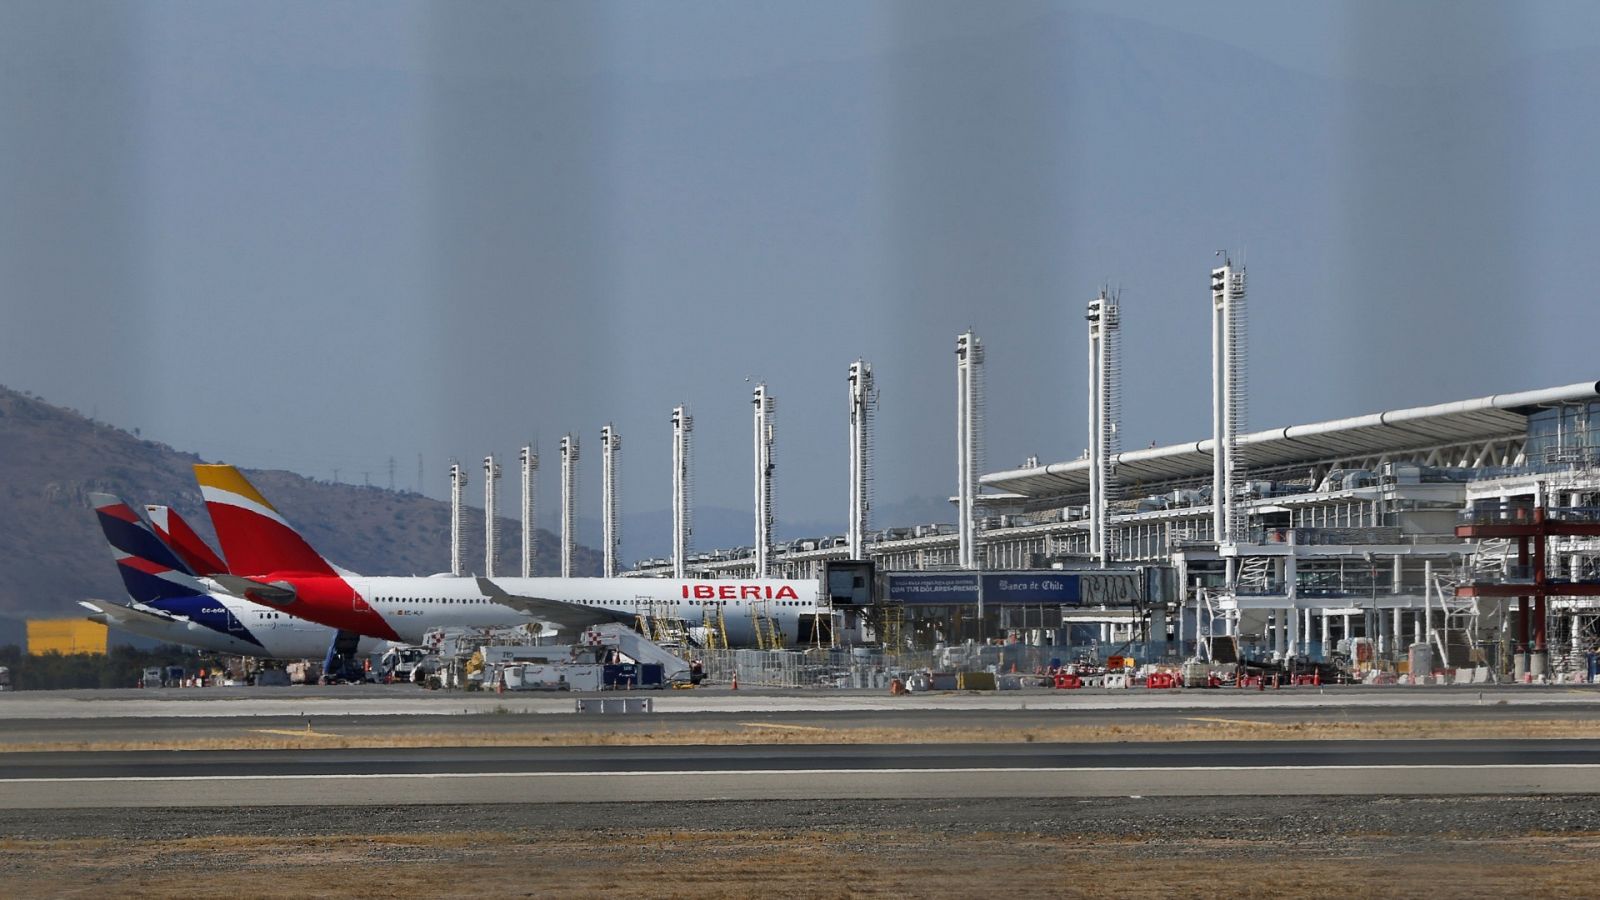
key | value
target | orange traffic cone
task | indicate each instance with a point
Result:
(735, 685)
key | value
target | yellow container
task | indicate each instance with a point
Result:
(65, 636)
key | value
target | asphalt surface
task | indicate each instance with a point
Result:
(128, 716)
(678, 773)
(780, 759)
(406, 700)
(744, 772)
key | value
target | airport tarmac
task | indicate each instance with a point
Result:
(485, 748)
(311, 721)
(391, 700)
(414, 776)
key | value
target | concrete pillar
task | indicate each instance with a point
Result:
(1398, 629)
(1327, 642)
(1296, 641)
(1281, 632)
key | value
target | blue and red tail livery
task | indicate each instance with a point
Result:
(185, 541)
(154, 575)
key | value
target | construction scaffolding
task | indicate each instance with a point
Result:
(768, 635)
(714, 628)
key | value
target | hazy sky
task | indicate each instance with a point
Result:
(320, 235)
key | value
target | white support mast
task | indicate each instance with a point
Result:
(529, 457)
(969, 443)
(491, 520)
(1104, 317)
(569, 490)
(1228, 399)
(458, 481)
(863, 406)
(682, 489)
(610, 527)
(763, 424)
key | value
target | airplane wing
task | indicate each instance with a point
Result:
(573, 616)
(108, 613)
(272, 593)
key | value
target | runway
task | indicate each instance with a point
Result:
(223, 720)
(653, 774)
(406, 700)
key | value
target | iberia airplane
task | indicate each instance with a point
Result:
(268, 561)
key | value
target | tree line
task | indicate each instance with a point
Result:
(120, 667)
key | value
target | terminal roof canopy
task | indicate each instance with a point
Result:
(1486, 418)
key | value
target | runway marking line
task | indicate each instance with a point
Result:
(1229, 721)
(687, 772)
(289, 732)
(781, 727)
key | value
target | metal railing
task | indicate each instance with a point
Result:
(873, 668)
(1523, 513)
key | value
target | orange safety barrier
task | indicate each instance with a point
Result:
(1068, 680)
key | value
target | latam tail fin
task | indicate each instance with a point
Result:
(150, 570)
(178, 534)
(255, 538)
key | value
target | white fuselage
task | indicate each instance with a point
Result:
(226, 624)
(283, 636)
(415, 606)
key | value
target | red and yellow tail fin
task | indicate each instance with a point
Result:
(255, 538)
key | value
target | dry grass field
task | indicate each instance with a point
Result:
(621, 861)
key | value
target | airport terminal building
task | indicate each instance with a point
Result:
(1365, 535)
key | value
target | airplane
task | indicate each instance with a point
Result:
(183, 540)
(171, 604)
(270, 562)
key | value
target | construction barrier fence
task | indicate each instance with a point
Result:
(875, 668)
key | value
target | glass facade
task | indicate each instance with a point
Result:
(1569, 433)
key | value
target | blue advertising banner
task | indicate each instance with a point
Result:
(1035, 587)
(937, 588)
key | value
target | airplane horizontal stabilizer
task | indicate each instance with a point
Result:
(272, 593)
(108, 613)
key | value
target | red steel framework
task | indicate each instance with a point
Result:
(1531, 527)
